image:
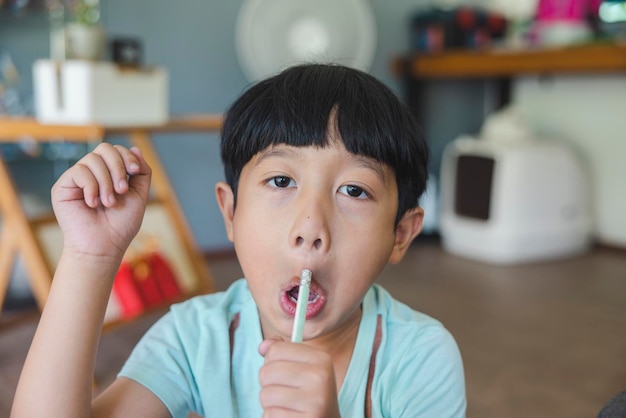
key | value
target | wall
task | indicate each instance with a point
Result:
(195, 41)
(25, 38)
(587, 112)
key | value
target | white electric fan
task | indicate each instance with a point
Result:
(274, 34)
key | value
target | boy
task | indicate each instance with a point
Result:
(324, 168)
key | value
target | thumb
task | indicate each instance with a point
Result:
(266, 344)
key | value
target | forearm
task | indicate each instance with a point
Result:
(57, 377)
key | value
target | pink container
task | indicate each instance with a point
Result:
(566, 10)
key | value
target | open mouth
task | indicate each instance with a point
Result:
(315, 303)
(293, 293)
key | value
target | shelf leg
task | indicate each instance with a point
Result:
(23, 237)
(7, 258)
(165, 193)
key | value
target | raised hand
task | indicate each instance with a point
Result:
(99, 204)
(100, 201)
(297, 381)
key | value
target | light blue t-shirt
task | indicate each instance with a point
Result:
(185, 359)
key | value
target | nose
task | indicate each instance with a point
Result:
(310, 229)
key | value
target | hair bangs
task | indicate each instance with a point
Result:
(292, 110)
(305, 105)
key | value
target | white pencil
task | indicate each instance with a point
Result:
(303, 299)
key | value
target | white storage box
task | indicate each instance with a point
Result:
(513, 202)
(79, 92)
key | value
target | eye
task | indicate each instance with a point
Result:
(354, 191)
(281, 182)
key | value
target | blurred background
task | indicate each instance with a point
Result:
(536, 301)
(196, 43)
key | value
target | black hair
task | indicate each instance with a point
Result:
(294, 107)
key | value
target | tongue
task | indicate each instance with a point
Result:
(295, 292)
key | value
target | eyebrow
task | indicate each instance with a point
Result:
(275, 153)
(365, 162)
(372, 165)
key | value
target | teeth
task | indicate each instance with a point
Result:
(293, 295)
(313, 296)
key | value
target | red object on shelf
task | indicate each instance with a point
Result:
(164, 277)
(145, 281)
(126, 292)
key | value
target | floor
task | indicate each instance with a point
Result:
(540, 340)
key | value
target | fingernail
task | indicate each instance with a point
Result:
(111, 198)
(134, 166)
(122, 184)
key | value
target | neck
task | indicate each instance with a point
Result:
(339, 344)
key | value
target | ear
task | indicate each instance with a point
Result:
(226, 202)
(408, 228)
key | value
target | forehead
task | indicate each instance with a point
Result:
(334, 152)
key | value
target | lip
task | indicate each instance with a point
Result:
(313, 307)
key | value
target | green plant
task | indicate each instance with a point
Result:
(86, 12)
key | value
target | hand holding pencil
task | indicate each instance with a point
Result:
(297, 378)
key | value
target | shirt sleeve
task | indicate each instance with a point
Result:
(159, 362)
(437, 379)
(428, 380)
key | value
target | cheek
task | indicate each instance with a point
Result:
(255, 240)
(371, 231)
(362, 257)
(247, 236)
(370, 255)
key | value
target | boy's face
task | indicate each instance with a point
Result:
(324, 209)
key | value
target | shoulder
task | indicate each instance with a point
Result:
(407, 330)
(221, 305)
(202, 317)
(399, 316)
(185, 353)
(417, 356)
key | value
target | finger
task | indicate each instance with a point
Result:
(78, 183)
(115, 158)
(277, 412)
(265, 345)
(95, 163)
(286, 350)
(132, 159)
(283, 398)
(285, 373)
(141, 174)
(102, 173)
(121, 169)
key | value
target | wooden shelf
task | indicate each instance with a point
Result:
(594, 58)
(17, 129)
(21, 235)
